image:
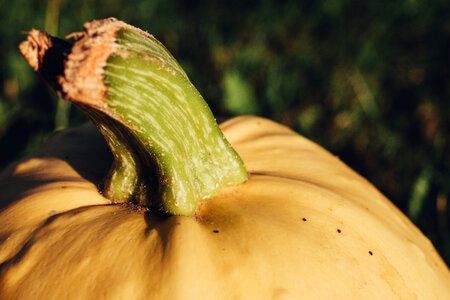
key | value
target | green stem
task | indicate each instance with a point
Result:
(169, 151)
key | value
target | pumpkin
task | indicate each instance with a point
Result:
(303, 226)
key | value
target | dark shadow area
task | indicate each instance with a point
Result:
(83, 148)
(106, 225)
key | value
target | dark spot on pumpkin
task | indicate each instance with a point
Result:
(339, 231)
(216, 231)
(370, 252)
(304, 219)
(64, 187)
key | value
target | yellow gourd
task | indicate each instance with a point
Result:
(174, 219)
(304, 226)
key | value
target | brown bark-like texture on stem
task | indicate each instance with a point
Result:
(74, 72)
(47, 56)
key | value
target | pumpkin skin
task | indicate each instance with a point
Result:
(304, 226)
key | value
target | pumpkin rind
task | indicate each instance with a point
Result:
(304, 226)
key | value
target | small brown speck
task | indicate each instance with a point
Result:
(339, 231)
(216, 231)
(304, 219)
(370, 252)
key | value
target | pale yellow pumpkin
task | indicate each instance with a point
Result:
(304, 226)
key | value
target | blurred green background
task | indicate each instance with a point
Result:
(368, 80)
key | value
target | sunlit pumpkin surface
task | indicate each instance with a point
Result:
(304, 226)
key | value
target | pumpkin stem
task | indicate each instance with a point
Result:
(169, 151)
